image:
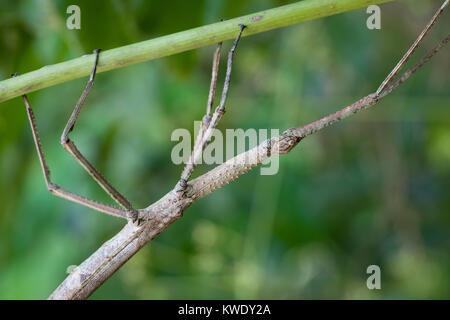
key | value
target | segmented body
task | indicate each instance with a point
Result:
(239, 165)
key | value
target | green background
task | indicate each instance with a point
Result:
(373, 189)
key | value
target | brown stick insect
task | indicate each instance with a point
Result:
(253, 157)
(151, 221)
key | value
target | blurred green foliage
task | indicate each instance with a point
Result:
(371, 190)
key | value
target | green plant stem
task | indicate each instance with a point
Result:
(178, 42)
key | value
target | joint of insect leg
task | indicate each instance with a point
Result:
(52, 187)
(206, 120)
(133, 216)
(64, 140)
(375, 96)
(181, 186)
(268, 147)
(220, 110)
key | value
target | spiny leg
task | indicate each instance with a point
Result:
(207, 117)
(212, 90)
(411, 50)
(211, 122)
(70, 147)
(226, 85)
(212, 87)
(56, 189)
(389, 84)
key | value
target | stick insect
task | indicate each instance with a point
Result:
(107, 259)
(285, 143)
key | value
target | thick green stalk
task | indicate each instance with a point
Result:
(177, 42)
